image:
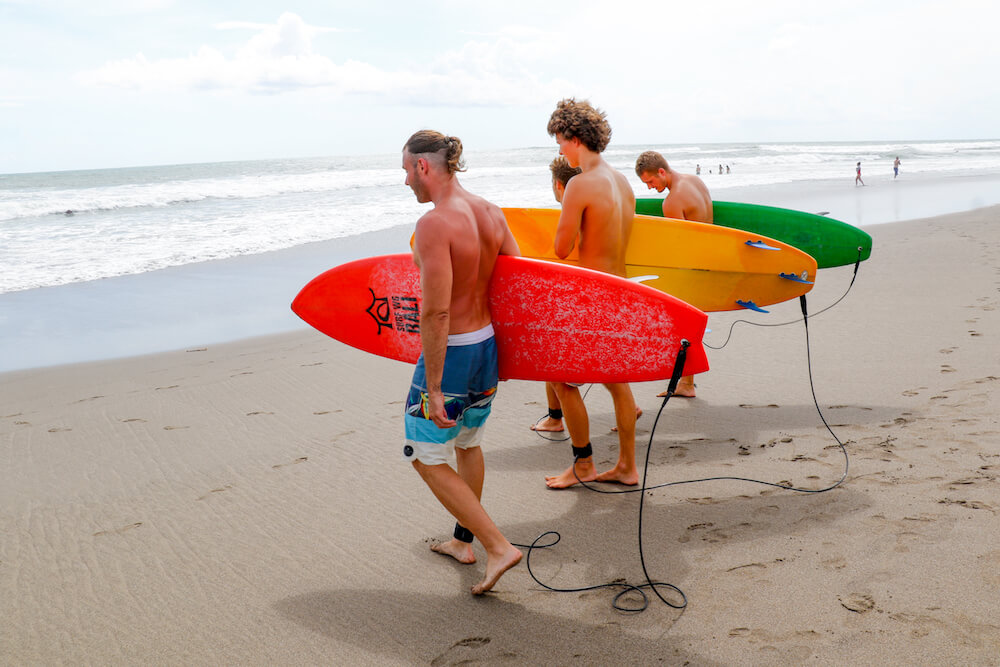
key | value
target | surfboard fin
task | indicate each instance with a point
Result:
(795, 278)
(750, 305)
(761, 245)
(642, 279)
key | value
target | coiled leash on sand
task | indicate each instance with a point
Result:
(656, 585)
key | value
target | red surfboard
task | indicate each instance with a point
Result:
(552, 321)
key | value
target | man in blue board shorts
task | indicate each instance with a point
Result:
(469, 382)
(455, 246)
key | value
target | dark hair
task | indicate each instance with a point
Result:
(561, 171)
(427, 142)
(580, 120)
(649, 162)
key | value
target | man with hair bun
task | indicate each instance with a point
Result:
(456, 245)
(688, 199)
(597, 211)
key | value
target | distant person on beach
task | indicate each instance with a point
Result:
(857, 177)
(727, 168)
(455, 247)
(688, 199)
(895, 167)
(697, 170)
(553, 421)
(597, 211)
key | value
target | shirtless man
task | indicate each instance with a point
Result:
(553, 421)
(456, 245)
(688, 199)
(597, 211)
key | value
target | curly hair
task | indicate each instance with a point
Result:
(561, 171)
(580, 120)
(649, 162)
(429, 142)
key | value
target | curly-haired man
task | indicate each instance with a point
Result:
(597, 211)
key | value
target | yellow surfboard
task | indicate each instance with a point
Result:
(713, 268)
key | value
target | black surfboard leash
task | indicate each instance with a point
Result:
(644, 487)
(843, 296)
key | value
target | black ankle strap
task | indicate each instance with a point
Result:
(555, 414)
(583, 452)
(463, 534)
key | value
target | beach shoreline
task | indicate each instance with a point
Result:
(208, 303)
(245, 503)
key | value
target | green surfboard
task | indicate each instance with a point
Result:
(830, 242)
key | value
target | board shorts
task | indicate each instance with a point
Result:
(469, 384)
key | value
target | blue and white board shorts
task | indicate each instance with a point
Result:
(469, 384)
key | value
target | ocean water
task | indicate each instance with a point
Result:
(69, 227)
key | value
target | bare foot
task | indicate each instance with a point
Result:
(619, 475)
(685, 388)
(548, 424)
(585, 472)
(457, 549)
(495, 567)
(638, 413)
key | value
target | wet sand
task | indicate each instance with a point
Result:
(245, 503)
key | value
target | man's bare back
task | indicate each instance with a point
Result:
(475, 232)
(688, 199)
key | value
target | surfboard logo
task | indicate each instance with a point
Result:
(400, 313)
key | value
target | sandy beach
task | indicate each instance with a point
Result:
(245, 503)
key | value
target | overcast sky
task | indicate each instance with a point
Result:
(109, 83)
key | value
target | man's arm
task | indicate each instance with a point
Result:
(570, 219)
(433, 252)
(509, 245)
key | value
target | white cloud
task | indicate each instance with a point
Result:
(280, 58)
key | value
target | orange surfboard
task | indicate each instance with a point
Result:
(552, 321)
(712, 267)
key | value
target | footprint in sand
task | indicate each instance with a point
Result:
(947, 350)
(318, 363)
(173, 386)
(175, 428)
(218, 490)
(291, 463)
(857, 602)
(133, 419)
(92, 398)
(118, 531)
(835, 563)
(59, 429)
(198, 349)
(747, 405)
(243, 373)
(259, 412)
(460, 653)
(974, 333)
(945, 368)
